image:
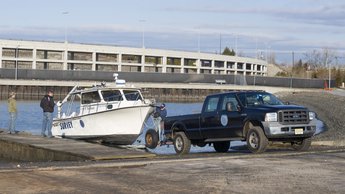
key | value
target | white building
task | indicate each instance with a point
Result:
(88, 57)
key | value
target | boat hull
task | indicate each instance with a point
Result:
(118, 126)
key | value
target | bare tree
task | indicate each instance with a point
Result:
(320, 59)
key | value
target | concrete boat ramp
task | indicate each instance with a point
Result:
(35, 148)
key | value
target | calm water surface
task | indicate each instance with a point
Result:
(29, 118)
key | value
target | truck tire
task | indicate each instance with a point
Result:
(302, 145)
(222, 146)
(256, 140)
(181, 143)
(151, 139)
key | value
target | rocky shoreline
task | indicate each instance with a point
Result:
(330, 109)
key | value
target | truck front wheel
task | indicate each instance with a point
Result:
(151, 139)
(181, 143)
(302, 145)
(221, 147)
(256, 140)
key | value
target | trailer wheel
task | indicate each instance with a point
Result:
(302, 145)
(181, 143)
(151, 139)
(221, 147)
(256, 140)
(201, 144)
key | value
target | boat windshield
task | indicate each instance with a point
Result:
(112, 95)
(132, 95)
(90, 97)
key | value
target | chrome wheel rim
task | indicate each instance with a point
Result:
(254, 140)
(179, 143)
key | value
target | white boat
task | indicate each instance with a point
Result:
(113, 113)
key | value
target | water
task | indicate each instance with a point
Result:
(29, 119)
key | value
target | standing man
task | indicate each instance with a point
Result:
(158, 118)
(12, 110)
(47, 104)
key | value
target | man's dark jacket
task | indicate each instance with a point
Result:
(47, 104)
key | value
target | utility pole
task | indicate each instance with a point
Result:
(329, 72)
(143, 32)
(16, 68)
(220, 43)
(293, 62)
(65, 13)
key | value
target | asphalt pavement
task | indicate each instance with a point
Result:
(320, 170)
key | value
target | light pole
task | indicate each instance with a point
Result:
(199, 41)
(143, 32)
(65, 13)
(293, 62)
(220, 43)
(236, 36)
(329, 73)
(16, 68)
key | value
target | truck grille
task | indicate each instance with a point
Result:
(293, 117)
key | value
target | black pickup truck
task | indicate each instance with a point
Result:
(256, 117)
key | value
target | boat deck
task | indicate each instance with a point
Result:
(36, 148)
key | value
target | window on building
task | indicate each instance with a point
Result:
(230, 65)
(239, 65)
(189, 62)
(131, 58)
(106, 57)
(46, 54)
(219, 64)
(103, 67)
(153, 60)
(206, 63)
(79, 56)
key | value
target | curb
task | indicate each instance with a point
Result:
(329, 143)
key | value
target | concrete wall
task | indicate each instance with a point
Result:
(165, 78)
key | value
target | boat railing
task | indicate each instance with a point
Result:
(89, 108)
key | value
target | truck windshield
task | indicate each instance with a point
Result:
(255, 99)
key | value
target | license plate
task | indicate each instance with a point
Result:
(299, 131)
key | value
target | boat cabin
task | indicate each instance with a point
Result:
(99, 99)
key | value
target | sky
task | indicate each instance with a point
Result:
(251, 27)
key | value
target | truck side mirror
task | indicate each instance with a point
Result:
(239, 108)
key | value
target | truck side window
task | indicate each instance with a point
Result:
(230, 99)
(211, 104)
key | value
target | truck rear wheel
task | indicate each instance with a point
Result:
(222, 146)
(302, 145)
(181, 143)
(256, 140)
(151, 139)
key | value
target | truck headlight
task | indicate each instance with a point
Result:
(311, 115)
(273, 116)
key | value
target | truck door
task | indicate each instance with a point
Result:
(209, 119)
(231, 121)
(218, 122)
